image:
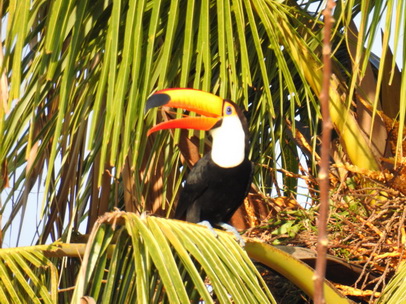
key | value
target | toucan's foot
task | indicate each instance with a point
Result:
(225, 227)
(209, 226)
(234, 231)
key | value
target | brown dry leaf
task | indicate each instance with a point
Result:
(301, 140)
(128, 186)
(351, 291)
(285, 203)
(367, 90)
(390, 87)
(4, 175)
(381, 176)
(114, 218)
(189, 148)
(154, 177)
(256, 209)
(396, 254)
(100, 196)
(392, 127)
(370, 225)
(3, 86)
(399, 181)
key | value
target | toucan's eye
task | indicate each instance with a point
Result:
(229, 110)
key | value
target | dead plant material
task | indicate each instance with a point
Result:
(395, 178)
(355, 292)
(371, 237)
(114, 218)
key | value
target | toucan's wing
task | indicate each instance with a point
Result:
(196, 184)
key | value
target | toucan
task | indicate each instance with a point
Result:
(218, 183)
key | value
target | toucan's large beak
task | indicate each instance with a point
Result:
(197, 101)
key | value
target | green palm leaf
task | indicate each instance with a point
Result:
(75, 76)
(167, 254)
(26, 273)
(395, 291)
(153, 260)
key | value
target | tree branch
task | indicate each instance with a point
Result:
(322, 243)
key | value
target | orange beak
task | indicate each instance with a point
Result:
(193, 100)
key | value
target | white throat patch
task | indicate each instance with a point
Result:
(228, 148)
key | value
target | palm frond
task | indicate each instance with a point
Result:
(74, 80)
(395, 291)
(152, 260)
(169, 260)
(26, 273)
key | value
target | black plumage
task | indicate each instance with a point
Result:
(213, 193)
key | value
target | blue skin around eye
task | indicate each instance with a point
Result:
(229, 110)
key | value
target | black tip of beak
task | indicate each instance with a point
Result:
(157, 100)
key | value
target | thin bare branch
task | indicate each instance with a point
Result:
(325, 158)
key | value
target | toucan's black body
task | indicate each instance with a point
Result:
(212, 193)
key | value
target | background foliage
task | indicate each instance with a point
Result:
(75, 76)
